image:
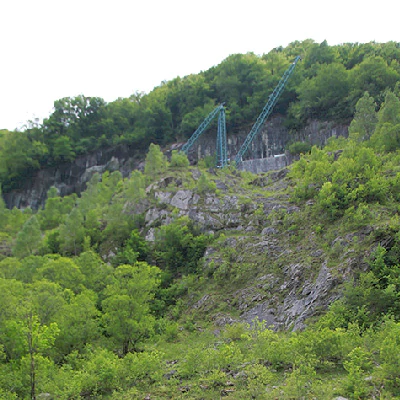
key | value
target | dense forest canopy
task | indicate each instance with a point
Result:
(326, 86)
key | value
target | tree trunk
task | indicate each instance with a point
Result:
(32, 369)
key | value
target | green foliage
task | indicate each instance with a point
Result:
(28, 238)
(56, 209)
(345, 185)
(326, 92)
(374, 295)
(99, 372)
(358, 364)
(299, 148)
(179, 247)
(387, 134)
(97, 273)
(135, 187)
(142, 368)
(72, 233)
(134, 249)
(178, 160)
(205, 185)
(387, 346)
(63, 150)
(155, 163)
(62, 270)
(363, 124)
(258, 378)
(126, 306)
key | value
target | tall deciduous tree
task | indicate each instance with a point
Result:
(38, 338)
(387, 133)
(365, 118)
(126, 307)
(325, 94)
(156, 162)
(72, 233)
(78, 322)
(62, 270)
(28, 239)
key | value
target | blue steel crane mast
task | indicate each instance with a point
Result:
(222, 154)
(202, 127)
(265, 113)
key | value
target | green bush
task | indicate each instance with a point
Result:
(299, 148)
(178, 160)
(205, 185)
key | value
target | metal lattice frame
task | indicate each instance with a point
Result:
(265, 113)
(222, 153)
(202, 127)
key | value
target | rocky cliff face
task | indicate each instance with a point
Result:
(72, 177)
(274, 274)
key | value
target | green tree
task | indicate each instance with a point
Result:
(28, 239)
(9, 268)
(365, 119)
(98, 274)
(387, 133)
(72, 233)
(78, 321)
(63, 149)
(178, 246)
(179, 160)
(134, 187)
(126, 307)
(55, 209)
(206, 185)
(10, 301)
(155, 163)
(3, 211)
(63, 271)
(19, 157)
(319, 54)
(39, 338)
(325, 94)
(46, 298)
(372, 75)
(134, 249)
(192, 119)
(389, 113)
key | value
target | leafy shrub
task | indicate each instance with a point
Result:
(205, 185)
(178, 159)
(299, 148)
(179, 247)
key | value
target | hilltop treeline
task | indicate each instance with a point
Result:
(326, 85)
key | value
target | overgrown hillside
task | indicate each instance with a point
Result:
(195, 282)
(326, 86)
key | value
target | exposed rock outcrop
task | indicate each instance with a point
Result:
(71, 177)
(289, 285)
(266, 152)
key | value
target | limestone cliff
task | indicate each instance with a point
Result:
(266, 151)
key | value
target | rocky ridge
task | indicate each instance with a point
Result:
(279, 275)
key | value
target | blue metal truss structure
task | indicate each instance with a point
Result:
(202, 127)
(222, 152)
(266, 112)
